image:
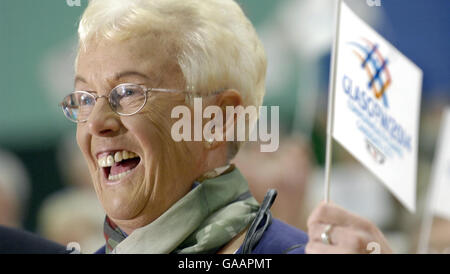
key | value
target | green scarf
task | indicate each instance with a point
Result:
(203, 221)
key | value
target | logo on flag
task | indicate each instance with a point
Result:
(376, 67)
(376, 154)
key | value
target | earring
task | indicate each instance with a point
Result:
(209, 142)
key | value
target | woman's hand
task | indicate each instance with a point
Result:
(348, 233)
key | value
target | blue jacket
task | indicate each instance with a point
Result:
(278, 238)
(16, 241)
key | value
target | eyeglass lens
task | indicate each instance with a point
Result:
(123, 99)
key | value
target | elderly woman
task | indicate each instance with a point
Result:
(137, 61)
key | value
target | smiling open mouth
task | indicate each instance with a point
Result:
(116, 165)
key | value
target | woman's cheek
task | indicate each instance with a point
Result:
(170, 158)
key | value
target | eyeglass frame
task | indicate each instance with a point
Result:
(146, 90)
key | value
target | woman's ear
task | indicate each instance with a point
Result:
(222, 122)
(230, 98)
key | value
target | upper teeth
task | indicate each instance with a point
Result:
(110, 160)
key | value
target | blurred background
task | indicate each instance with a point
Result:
(44, 183)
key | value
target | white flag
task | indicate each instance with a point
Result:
(377, 105)
(440, 200)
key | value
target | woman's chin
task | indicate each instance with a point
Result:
(122, 208)
(123, 199)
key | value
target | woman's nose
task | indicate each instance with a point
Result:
(103, 122)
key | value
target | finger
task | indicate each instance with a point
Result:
(334, 234)
(352, 240)
(327, 213)
(320, 248)
(343, 236)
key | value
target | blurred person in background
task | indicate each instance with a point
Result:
(14, 190)
(138, 60)
(74, 213)
(287, 170)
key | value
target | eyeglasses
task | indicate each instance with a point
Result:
(125, 100)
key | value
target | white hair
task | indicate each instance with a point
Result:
(217, 46)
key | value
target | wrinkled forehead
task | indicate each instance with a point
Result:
(105, 60)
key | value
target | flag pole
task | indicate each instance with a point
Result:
(427, 220)
(427, 223)
(331, 96)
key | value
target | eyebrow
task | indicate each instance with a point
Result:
(116, 76)
(123, 74)
(78, 78)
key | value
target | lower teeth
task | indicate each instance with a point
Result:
(118, 176)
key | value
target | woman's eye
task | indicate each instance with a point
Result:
(129, 92)
(86, 100)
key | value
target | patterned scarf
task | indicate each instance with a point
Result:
(113, 235)
(203, 221)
